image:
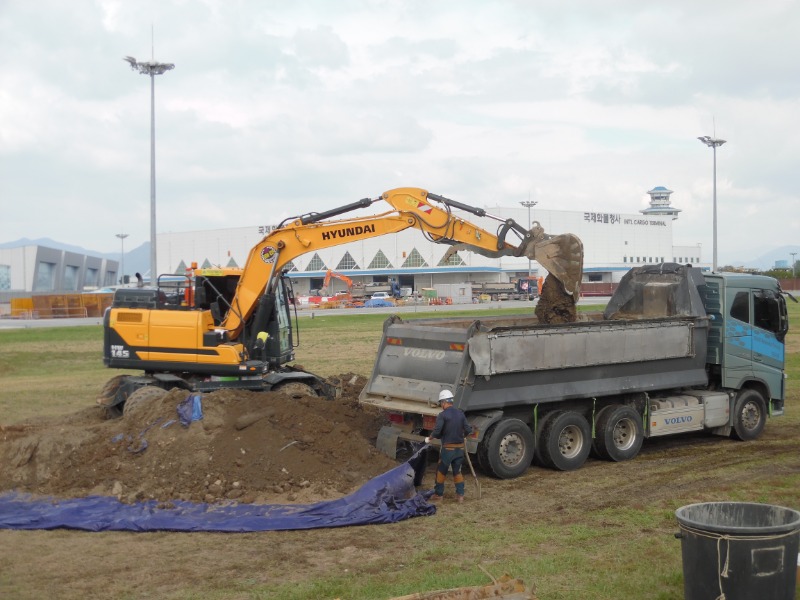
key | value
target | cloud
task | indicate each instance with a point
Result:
(300, 107)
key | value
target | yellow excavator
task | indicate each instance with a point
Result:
(233, 328)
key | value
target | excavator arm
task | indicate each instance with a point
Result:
(562, 256)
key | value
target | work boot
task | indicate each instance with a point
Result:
(460, 499)
(435, 498)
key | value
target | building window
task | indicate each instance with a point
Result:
(91, 278)
(347, 263)
(70, 282)
(45, 277)
(624, 259)
(316, 264)
(5, 277)
(288, 267)
(380, 261)
(180, 269)
(414, 260)
(454, 260)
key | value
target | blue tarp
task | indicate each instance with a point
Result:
(388, 498)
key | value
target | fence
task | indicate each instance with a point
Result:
(60, 306)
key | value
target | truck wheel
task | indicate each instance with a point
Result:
(507, 449)
(619, 433)
(141, 398)
(566, 441)
(749, 415)
(107, 395)
(295, 389)
(539, 457)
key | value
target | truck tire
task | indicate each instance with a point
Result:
(539, 457)
(619, 433)
(566, 440)
(141, 398)
(749, 415)
(507, 449)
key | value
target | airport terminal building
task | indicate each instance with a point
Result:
(613, 243)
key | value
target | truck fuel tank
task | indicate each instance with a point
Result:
(692, 411)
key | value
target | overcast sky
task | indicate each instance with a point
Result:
(280, 108)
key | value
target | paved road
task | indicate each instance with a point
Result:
(312, 313)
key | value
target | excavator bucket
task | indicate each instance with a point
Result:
(560, 255)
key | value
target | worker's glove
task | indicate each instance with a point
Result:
(427, 440)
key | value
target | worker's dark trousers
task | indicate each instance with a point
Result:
(450, 458)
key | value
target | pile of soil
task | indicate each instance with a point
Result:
(555, 305)
(254, 447)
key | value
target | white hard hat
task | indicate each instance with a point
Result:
(445, 396)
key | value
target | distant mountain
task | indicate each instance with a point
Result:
(767, 261)
(48, 243)
(136, 260)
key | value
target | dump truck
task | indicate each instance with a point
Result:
(675, 350)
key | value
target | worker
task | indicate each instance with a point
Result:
(451, 428)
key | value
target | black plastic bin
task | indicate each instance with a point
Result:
(738, 551)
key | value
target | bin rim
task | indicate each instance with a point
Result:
(782, 528)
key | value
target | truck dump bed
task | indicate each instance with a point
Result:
(501, 362)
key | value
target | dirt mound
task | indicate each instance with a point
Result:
(248, 447)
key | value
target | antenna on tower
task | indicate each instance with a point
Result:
(152, 43)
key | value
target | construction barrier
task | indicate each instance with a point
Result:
(60, 306)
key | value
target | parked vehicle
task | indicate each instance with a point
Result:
(675, 350)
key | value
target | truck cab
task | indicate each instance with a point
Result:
(748, 326)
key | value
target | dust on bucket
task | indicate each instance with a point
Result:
(739, 550)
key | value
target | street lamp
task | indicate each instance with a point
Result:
(713, 143)
(529, 204)
(793, 264)
(122, 237)
(151, 68)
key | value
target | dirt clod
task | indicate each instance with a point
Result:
(555, 305)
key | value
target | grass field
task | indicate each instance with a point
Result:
(605, 531)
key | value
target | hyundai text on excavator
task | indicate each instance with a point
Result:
(233, 328)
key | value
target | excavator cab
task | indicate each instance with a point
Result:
(273, 318)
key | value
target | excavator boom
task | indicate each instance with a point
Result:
(412, 208)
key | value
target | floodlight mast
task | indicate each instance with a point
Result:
(529, 204)
(151, 68)
(713, 143)
(122, 237)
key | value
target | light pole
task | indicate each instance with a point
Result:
(122, 237)
(151, 68)
(793, 264)
(529, 204)
(713, 143)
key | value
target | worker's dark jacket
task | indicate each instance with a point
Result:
(451, 427)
